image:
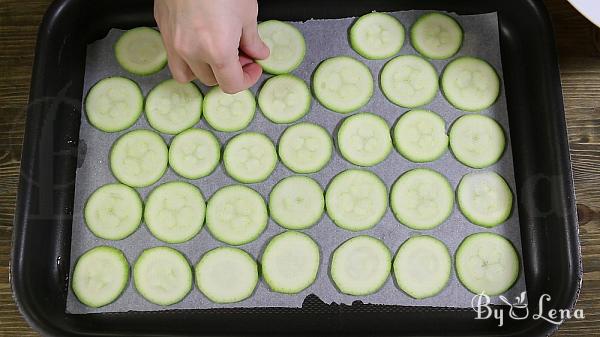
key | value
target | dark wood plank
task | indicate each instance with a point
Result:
(19, 21)
(578, 43)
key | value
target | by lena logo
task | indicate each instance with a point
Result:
(519, 310)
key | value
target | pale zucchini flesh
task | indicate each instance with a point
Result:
(470, 84)
(487, 263)
(377, 36)
(422, 199)
(113, 211)
(422, 266)
(229, 112)
(361, 265)
(162, 275)
(139, 158)
(284, 99)
(364, 139)
(226, 275)
(141, 51)
(236, 215)
(477, 141)
(114, 104)
(420, 136)
(290, 262)
(172, 107)
(436, 36)
(174, 211)
(484, 198)
(409, 81)
(356, 200)
(305, 147)
(100, 276)
(249, 157)
(342, 84)
(296, 202)
(286, 44)
(194, 153)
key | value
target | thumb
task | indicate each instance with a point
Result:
(252, 45)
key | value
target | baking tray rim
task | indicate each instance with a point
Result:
(21, 218)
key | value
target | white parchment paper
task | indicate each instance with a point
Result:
(324, 39)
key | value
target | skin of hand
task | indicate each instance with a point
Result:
(215, 41)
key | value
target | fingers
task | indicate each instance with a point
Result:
(244, 59)
(253, 72)
(215, 59)
(251, 43)
(251, 68)
(203, 72)
(179, 68)
(185, 66)
(232, 77)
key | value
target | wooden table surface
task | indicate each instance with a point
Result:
(579, 48)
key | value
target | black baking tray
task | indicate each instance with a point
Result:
(42, 226)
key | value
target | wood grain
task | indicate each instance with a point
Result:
(19, 22)
(578, 43)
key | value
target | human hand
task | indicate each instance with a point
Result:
(204, 38)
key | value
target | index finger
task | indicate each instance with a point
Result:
(234, 77)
